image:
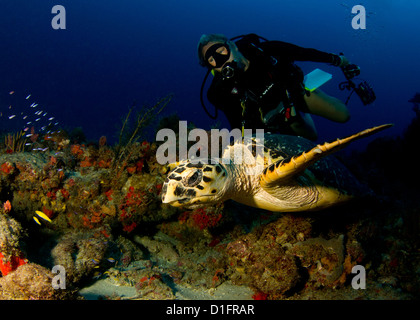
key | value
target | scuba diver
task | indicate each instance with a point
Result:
(257, 85)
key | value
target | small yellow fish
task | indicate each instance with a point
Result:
(37, 221)
(43, 215)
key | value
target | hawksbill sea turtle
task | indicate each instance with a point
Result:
(292, 175)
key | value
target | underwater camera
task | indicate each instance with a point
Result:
(350, 71)
(364, 90)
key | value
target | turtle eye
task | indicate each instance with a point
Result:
(194, 179)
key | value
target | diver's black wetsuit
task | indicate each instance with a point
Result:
(263, 85)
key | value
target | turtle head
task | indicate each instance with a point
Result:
(195, 185)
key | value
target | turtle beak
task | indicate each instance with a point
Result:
(168, 196)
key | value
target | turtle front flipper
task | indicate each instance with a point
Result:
(285, 169)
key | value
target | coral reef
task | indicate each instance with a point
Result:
(15, 142)
(32, 282)
(84, 192)
(81, 252)
(324, 259)
(260, 258)
(11, 256)
(95, 210)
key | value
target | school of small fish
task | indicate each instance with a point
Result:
(36, 118)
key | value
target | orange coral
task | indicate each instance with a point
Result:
(71, 182)
(12, 265)
(61, 175)
(53, 161)
(133, 198)
(138, 167)
(200, 218)
(86, 163)
(260, 296)
(6, 168)
(131, 170)
(109, 194)
(86, 222)
(51, 195)
(96, 219)
(7, 206)
(203, 220)
(76, 150)
(106, 235)
(146, 146)
(65, 193)
(104, 164)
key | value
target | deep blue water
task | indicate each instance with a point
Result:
(115, 52)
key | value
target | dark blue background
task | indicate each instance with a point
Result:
(115, 52)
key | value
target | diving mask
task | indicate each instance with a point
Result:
(219, 58)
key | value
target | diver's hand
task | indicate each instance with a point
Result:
(344, 61)
(339, 60)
